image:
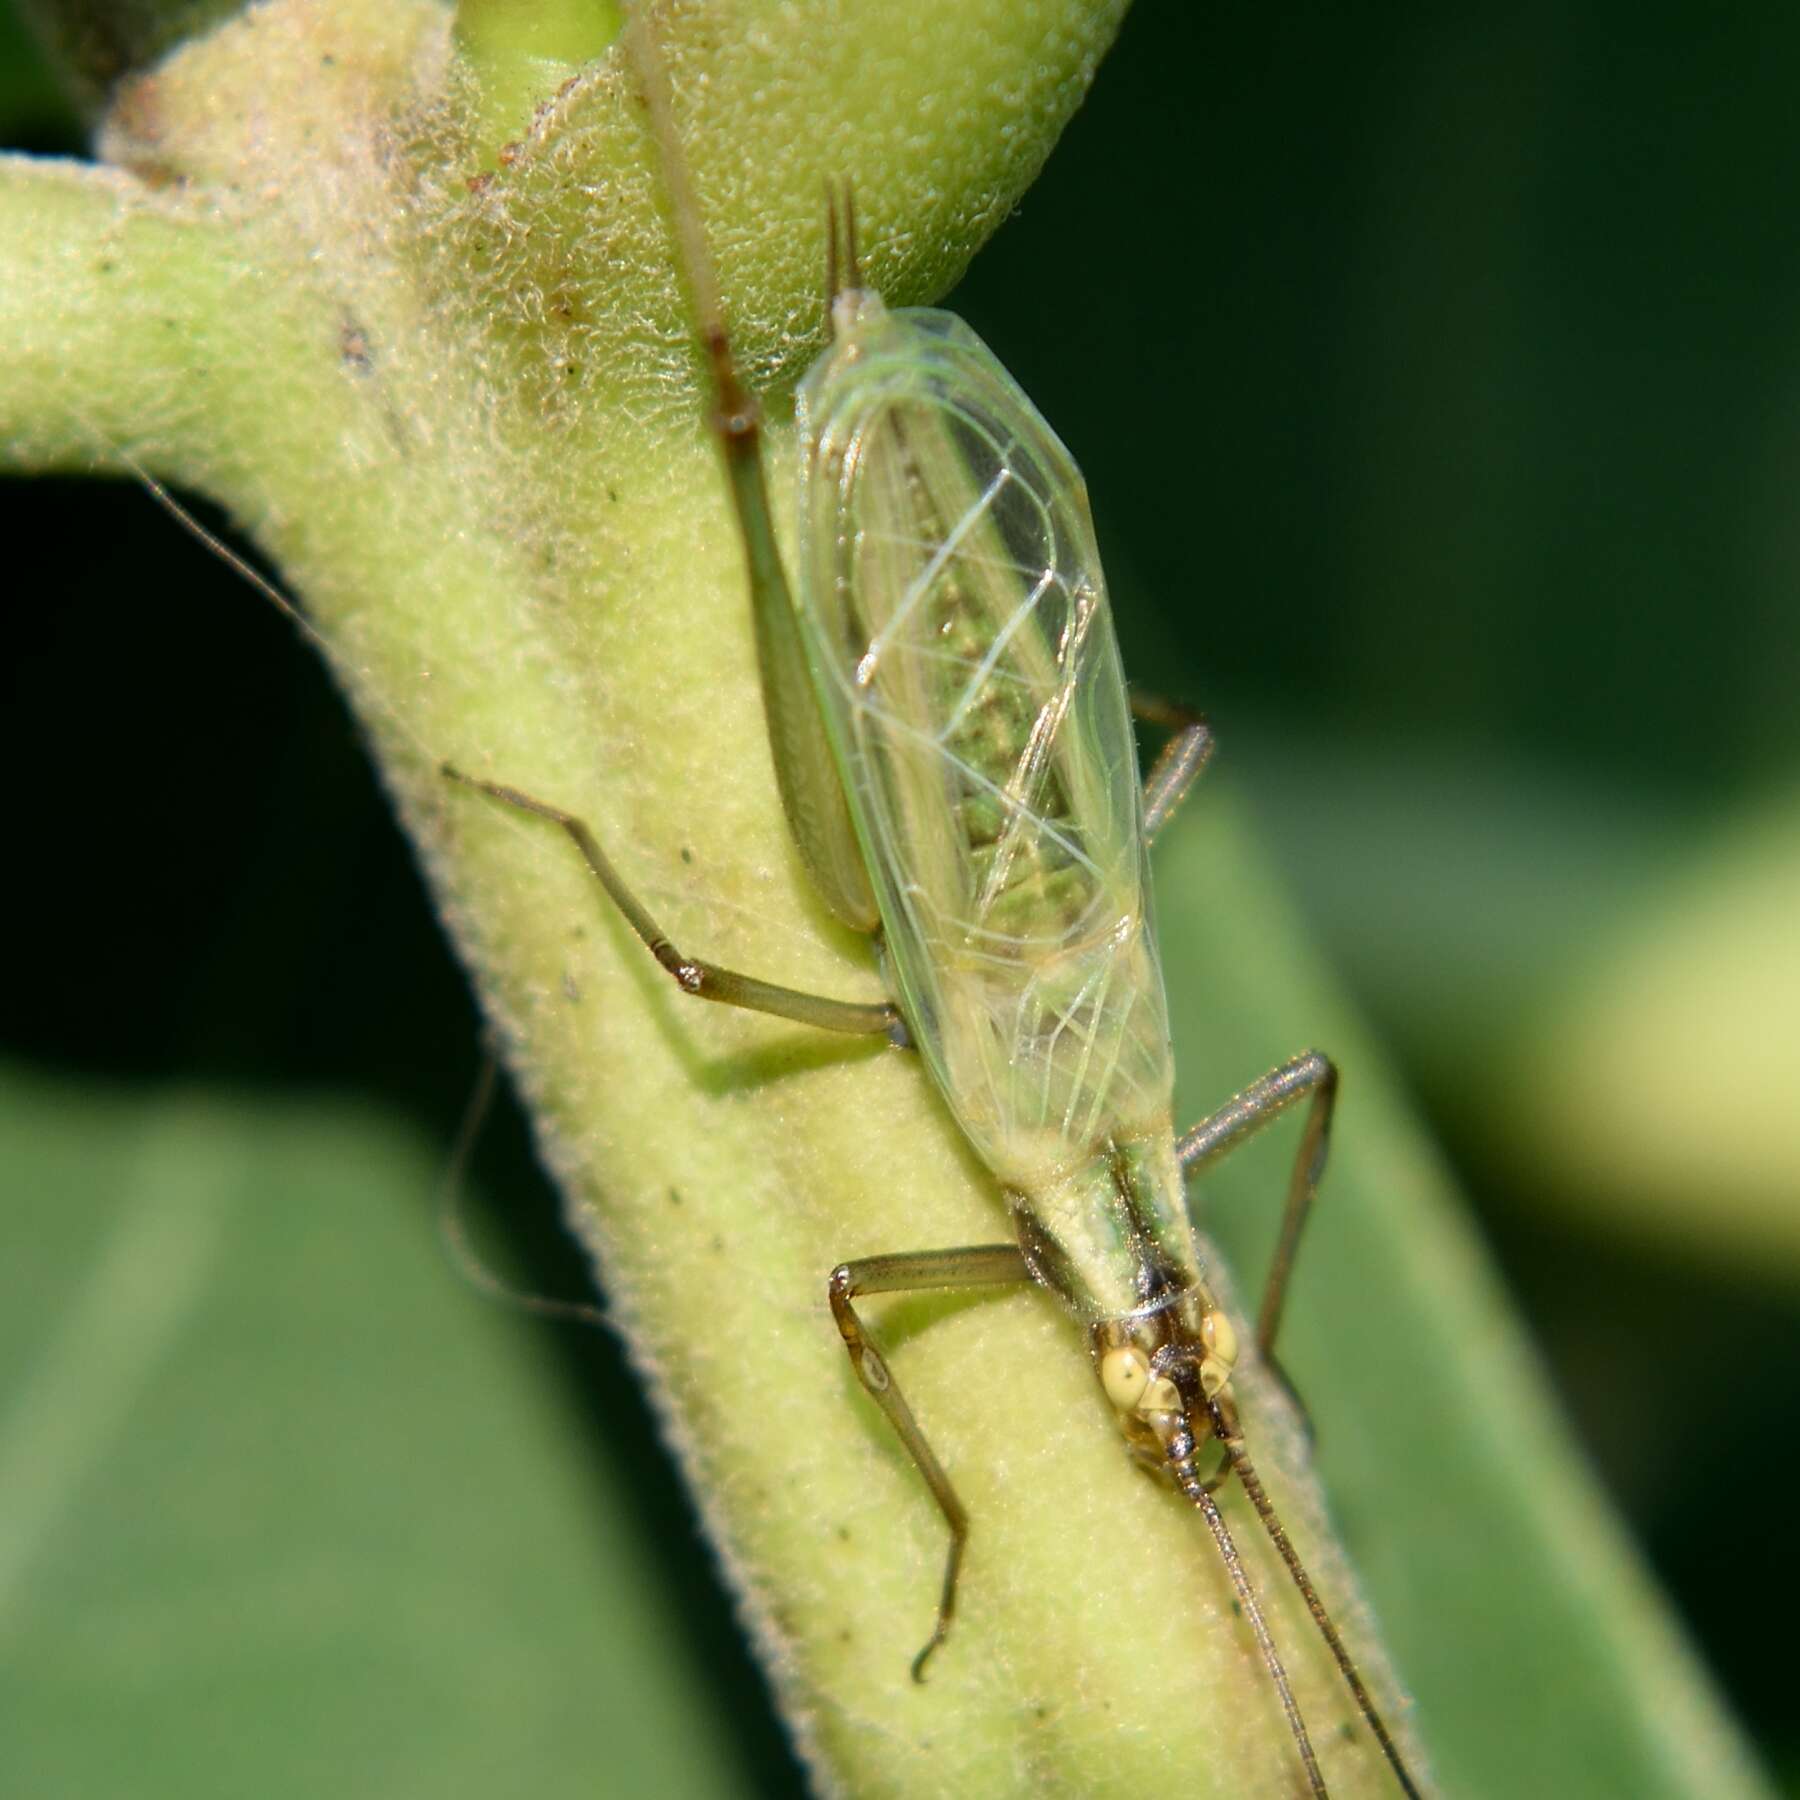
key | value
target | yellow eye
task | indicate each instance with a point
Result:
(1125, 1373)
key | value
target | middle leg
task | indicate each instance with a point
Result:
(1180, 762)
(693, 975)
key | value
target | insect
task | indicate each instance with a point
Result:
(952, 734)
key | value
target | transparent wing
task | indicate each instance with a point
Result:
(960, 639)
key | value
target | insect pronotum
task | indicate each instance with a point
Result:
(952, 734)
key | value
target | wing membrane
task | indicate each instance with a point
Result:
(958, 631)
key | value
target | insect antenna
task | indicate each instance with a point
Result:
(1201, 1495)
(1251, 1482)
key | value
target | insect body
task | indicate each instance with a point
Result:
(956, 626)
(953, 736)
(956, 623)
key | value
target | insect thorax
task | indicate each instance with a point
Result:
(1110, 1234)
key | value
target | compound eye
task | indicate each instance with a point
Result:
(1125, 1373)
(1219, 1336)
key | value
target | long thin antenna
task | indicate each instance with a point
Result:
(1251, 1483)
(1197, 1491)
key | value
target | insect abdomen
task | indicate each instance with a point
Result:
(964, 657)
(1022, 883)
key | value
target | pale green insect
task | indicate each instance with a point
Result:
(953, 736)
(955, 623)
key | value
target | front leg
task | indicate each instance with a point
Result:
(978, 1266)
(1313, 1075)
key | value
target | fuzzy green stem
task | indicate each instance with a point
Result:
(96, 292)
(519, 52)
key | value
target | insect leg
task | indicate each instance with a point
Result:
(980, 1265)
(1312, 1074)
(708, 980)
(812, 791)
(1179, 763)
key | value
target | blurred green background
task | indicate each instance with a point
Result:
(1438, 385)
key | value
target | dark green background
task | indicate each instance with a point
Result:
(1438, 385)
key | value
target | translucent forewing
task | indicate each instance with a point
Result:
(958, 631)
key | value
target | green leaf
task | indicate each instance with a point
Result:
(1592, 979)
(284, 1509)
(1665, 1069)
